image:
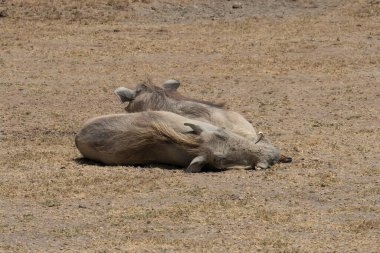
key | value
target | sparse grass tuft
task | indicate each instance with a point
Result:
(51, 203)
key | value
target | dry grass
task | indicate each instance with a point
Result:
(304, 72)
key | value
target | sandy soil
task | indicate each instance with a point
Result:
(305, 72)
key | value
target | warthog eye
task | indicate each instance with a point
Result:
(221, 134)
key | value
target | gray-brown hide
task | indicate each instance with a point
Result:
(147, 96)
(168, 138)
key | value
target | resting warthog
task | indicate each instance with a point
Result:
(168, 138)
(147, 96)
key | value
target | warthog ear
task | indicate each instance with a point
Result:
(125, 94)
(196, 164)
(197, 129)
(171, 84)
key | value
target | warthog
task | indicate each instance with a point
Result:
(147, 96)
(168, 138)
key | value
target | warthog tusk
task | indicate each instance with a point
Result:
(261, 135)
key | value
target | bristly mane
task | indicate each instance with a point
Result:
(146, 134)
(178, 96)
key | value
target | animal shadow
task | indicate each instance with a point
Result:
(85, 161)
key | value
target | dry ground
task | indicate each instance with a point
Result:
(305, 72)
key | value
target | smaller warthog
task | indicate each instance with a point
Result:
(147, 96)
(167, 138)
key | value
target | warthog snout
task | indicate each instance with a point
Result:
(285, 159)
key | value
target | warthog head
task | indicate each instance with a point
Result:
(224, 149)
(147, 96)
(128, 95)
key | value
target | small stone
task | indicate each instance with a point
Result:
(3, 13)
(237, 5)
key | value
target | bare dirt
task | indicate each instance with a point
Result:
(305, 72)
